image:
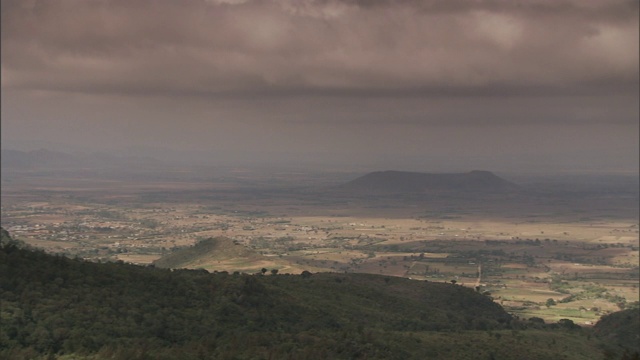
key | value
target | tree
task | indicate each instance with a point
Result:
(274, 271)
(550, 302)
(264, 270)
(568, 324)
(536, 320)
(305, 274)
(454, 282)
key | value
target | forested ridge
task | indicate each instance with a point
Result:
(56, 307)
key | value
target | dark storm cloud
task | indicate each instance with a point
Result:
(433, 85)
(358, 48)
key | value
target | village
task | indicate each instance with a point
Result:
(534, 267)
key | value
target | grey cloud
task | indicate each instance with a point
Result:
(433, 85)
(357, 48)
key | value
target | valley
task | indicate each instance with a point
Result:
(544, 252)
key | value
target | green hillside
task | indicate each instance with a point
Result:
(211, 249)
(621, 330)
(55, 307)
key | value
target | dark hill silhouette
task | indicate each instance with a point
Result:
(621, 330)
(59, 307)
(414, 182)
(48, 159)
(113, 307)
(38, 158)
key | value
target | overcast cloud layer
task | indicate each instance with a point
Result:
(434, 83)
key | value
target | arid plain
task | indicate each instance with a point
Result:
(553, 250)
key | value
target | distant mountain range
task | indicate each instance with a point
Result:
(42, 158)
(415, 182)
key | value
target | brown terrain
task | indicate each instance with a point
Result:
(569, 240)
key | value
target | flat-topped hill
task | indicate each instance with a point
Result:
(415, 182)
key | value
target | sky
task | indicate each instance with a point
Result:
(430, 85)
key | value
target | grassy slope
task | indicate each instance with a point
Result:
(219, 248)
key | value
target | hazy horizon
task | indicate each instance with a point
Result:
(440, 86)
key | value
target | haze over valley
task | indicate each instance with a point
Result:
(515, 240)
(224, 179)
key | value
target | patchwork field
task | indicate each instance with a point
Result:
(539, 254)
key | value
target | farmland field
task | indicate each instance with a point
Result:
(545, 254)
